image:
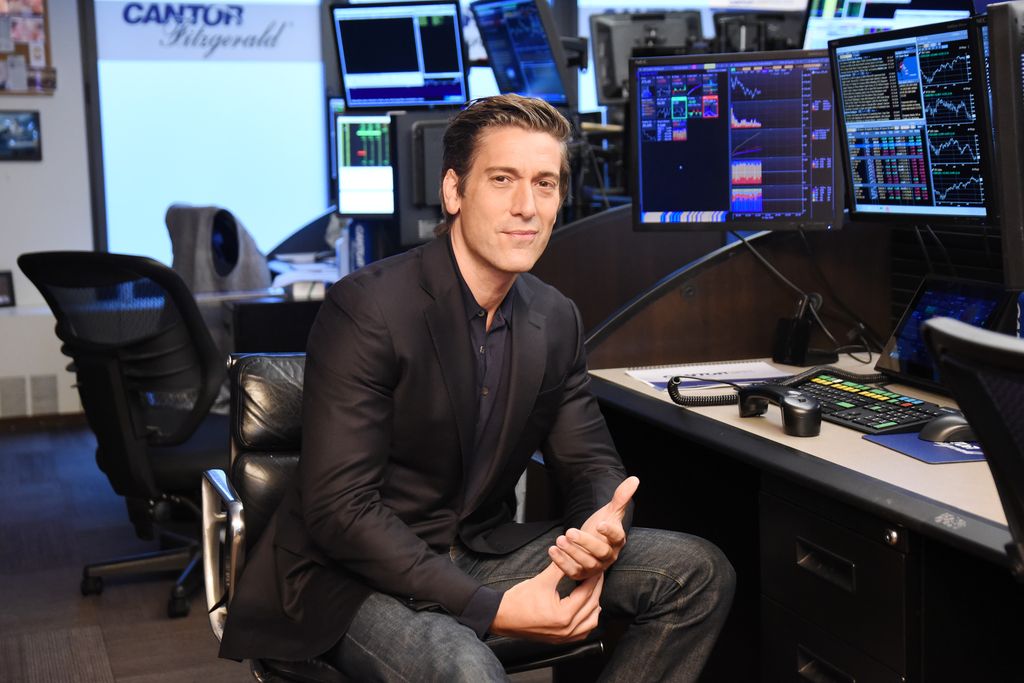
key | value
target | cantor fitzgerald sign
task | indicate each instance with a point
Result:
(194, 31)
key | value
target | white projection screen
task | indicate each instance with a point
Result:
(210, 104)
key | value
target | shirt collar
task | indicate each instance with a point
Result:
(475, 310)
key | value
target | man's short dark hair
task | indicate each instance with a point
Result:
(462, 137)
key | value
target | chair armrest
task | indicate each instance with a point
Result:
(223, 540)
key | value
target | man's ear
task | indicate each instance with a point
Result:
(450, 193)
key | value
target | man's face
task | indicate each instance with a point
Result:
(504, 220)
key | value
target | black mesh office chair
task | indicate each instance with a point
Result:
(147, 372)
(985, 372)
(266, 438)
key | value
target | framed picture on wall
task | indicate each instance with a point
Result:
(20, 137)
(6, 288)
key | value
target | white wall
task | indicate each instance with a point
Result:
(44, 205)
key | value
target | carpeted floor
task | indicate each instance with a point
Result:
(57, 513)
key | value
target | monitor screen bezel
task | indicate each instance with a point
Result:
(547, 20)
(391, 156)
(754, 224)
(400, 104)
(330, 104)
(990, 219)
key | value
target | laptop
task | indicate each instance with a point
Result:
(905, 357)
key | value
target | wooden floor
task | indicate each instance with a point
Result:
(57, 513)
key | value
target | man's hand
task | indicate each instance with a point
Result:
(589, 551)
(533, 609)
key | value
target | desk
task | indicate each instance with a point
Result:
(928, 595)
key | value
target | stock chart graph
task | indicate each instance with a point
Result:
(766, 113)
(914, 146)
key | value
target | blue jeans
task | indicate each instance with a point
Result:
(674, 590)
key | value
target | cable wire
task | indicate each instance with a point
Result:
(924, 250)
(875, 338)
(788, 282)
(942, 248)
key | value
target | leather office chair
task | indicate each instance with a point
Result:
(147, 372)
(266, 438)
(985, 372)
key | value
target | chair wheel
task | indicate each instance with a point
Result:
(177, 608)
(92, 585)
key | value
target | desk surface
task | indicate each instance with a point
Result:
(956, 503)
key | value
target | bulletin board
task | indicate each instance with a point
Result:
(25, 62)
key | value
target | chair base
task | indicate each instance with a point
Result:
(187, 559)
(516, 655)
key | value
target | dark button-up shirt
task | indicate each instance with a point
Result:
(492, 350)
(492, 356)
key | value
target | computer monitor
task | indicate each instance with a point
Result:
(524, 49)
(759, 31)
(1006, 40)
(417, 162)
(910, 105)
(470, 36)
(613, 38)
(734, 142)
(831, 19)
(421, 63)
(366, 183)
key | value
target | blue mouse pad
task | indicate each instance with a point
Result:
(928, 451)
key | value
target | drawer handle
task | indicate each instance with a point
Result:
(810, 667)
(826, 565)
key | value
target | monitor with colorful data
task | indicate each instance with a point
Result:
(734, 142)
(366, 183)
(524, 49)
(911, 109)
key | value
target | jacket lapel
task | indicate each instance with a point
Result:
(449, 330)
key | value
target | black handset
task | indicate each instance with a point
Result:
(801, 413)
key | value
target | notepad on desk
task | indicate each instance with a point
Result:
(708, 374)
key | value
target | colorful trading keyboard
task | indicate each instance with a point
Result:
(867, 408)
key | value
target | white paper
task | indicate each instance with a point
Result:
(17, 73)
(37, 55)
(710, 374)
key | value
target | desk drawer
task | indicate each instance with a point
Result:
(795, 651)
(847, 584)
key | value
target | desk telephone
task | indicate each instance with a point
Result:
(801, 413)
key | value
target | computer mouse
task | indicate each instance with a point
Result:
(948, 427)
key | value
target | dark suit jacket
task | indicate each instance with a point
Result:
(388, 418)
